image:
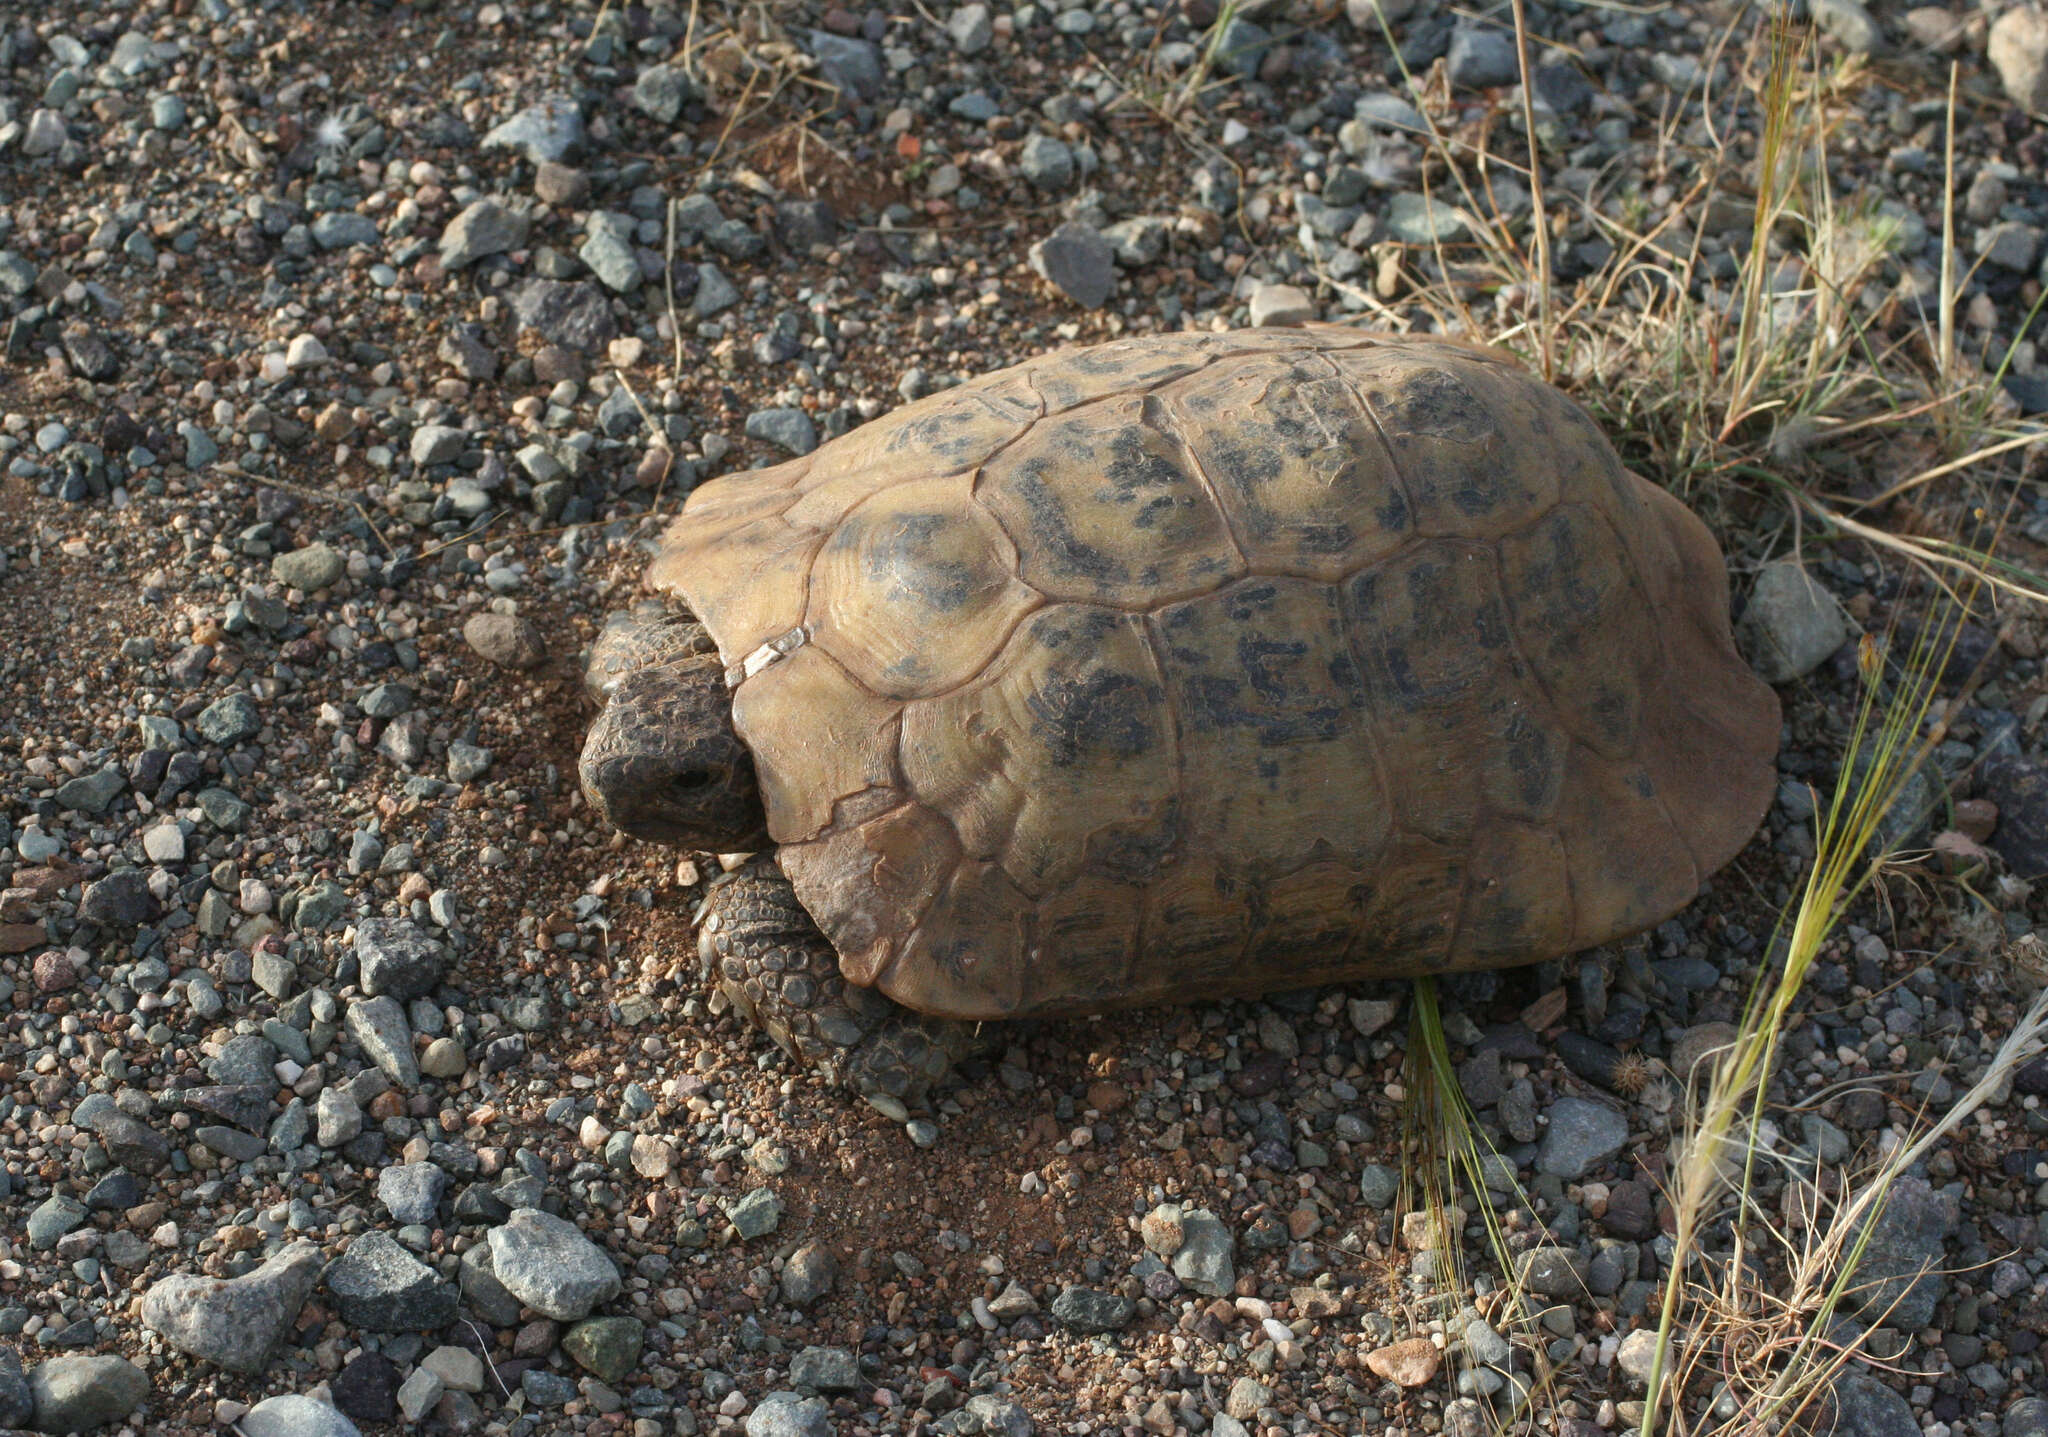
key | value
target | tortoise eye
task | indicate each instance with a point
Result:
(690, 780)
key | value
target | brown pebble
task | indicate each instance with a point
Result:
(20, 937)
(53, 971)
(1107, 1097)
(560, 184)
(506, 640)
(1410, 1364)
(1976, 818)
(535, 1339)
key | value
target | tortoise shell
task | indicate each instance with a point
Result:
(1215, 664)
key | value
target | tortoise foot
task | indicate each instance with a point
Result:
(760, 948)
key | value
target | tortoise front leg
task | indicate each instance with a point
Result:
(760, 948)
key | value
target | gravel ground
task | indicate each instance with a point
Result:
(348, 1068)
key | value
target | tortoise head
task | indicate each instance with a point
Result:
(664, 763)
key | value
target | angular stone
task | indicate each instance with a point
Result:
(77, 1394)
(485, 227)
(1076, 260)
(378, 1025)
(379, 1285)
(1087, 1310)
(1582, 1134)
(317, 566)
(609, 1347)
(551, 1266)
(234, 1323)
(1791, 625)
(399, 958)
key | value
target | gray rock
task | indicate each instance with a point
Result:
(1791, 625)
(77, 1394)
(1085, 1309)
(399, 958)
(661, 91)
(608, 1347)
(549, 129)
(2018, 50)
(1242, 47)
(54, 1216)
(1858, 1405)
(1898, 1281)
(506, 640)
(2027, 1417)
(379, 1285)
(548, 1264)
(236, 1322)
(755, 1214)
(1848, 24)
(485, 227)
(715, 293)
(1482, 56)
(790, 429)
(337, 1117)
(294, 1415)
(229, 719)
(1637, 1351)
(1000, 1417)
(970, 29)
(1047, 163)
(487, 1297)
(419, 1392)
(411, 1192)
(437, 444)
(1582, 1135)
(1423, 219)
(200, 447)
(784, 1414)
(608, 251)
(1378, 1185)
(378, 1025)
(576, 316)
(1552, 1271)
(341, 229)
(2010, 245)
(1138, 241)
(129, 1141)
(17, 1402)
(854, 67)
(825, 1369)
(809, 1274)
(121, 900)
(317, 566)
(92, 792)
(1076, 260)
(45, 135)
(1276, 306)
(1207, 1258)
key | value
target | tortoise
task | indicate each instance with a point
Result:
(1179, 667)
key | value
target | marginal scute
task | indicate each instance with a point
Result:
(1519, 899)
(1104, 508)
(871, 877)
(916, 589)
(1203, 664)
(746, 580)
(1629, 865)
(967, 956)
(1071, 714)
(818, 737)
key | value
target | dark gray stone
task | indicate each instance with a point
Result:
(1898, 1281)
(398, 958)
(77, 1394)
(1085, 1309)
(377, 1284)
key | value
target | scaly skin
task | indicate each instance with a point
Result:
(664, 763)
(760, 948)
